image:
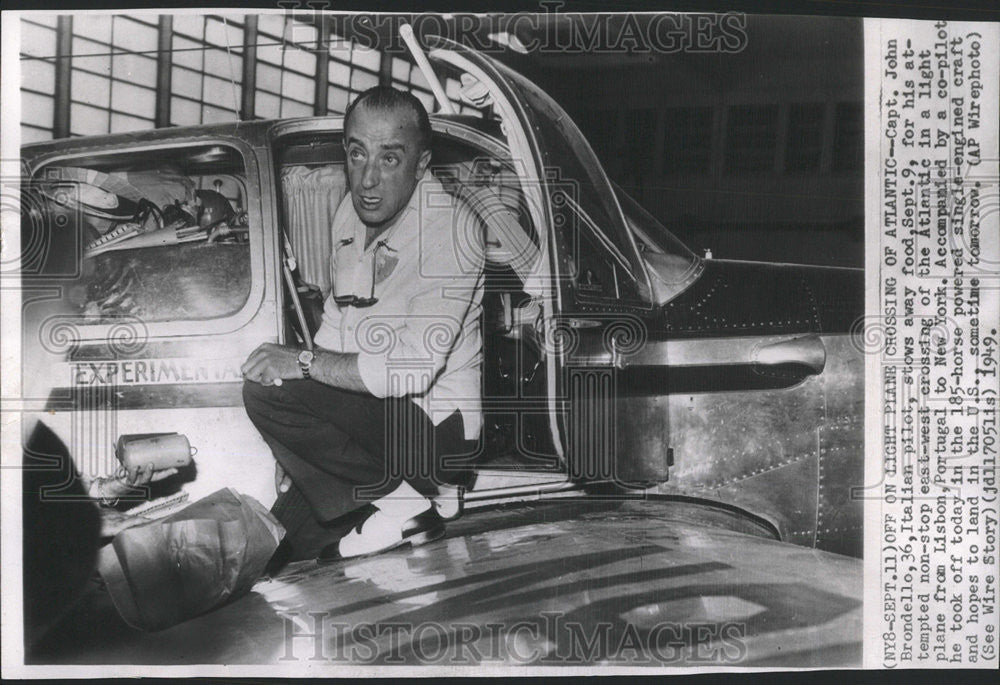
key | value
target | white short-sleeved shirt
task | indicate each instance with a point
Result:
(422, 337)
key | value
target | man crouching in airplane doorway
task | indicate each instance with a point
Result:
(361, 424)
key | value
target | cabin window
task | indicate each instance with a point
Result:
(156, 235)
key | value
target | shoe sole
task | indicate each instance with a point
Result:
(415, 540)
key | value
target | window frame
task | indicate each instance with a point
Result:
(350, 45)
(39, 91)
(114, 50)
(267, 39)
(179, 328)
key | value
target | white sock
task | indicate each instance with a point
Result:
(447, 500)
(404, 502)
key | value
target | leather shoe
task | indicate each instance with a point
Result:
(380, 532)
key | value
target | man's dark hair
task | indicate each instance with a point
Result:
(385, 98)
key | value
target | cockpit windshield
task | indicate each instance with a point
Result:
(568, 158)
(672, 266)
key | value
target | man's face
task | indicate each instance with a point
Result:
(384, 162)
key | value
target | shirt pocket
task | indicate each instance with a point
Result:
(344, 268)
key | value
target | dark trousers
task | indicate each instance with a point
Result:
(343, 449)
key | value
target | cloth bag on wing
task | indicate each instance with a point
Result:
(167, 571)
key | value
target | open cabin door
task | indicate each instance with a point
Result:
(605, 317)
(594, 289)
(536, 403)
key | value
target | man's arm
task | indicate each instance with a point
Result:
(271, 361)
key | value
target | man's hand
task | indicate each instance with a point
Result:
(114, 522)
(147, 473)
(282, 481)
(271, 362)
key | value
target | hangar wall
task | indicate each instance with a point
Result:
(740, 153)
(743, 153)
(94, 73)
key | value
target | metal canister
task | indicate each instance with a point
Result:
(161, 450)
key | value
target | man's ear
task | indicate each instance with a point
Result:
(422, 163)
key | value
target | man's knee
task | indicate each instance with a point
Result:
(266, 400)
(256, 396)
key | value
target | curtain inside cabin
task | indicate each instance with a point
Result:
(312, 195)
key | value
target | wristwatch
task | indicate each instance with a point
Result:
(305, 362)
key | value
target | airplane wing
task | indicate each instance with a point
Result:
(639, 583)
